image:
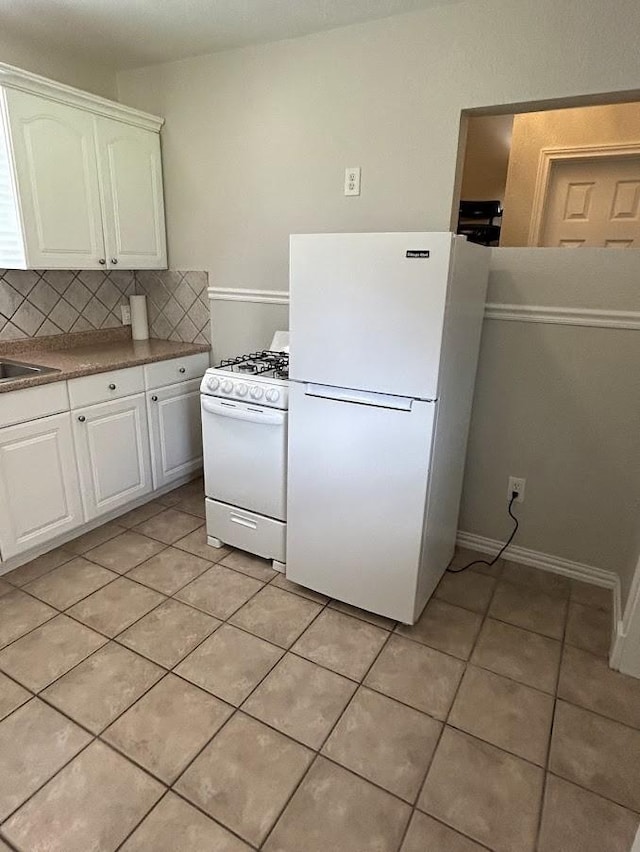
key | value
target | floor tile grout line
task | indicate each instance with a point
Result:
(318, 752)
(118, 575)
(283, 590)
(15, 586)
(115, 638)
(445, 725)
(237, 707)
(46, 700)
(281, 733)
(35, 792)
(288, 650)
(201, 810)
(551, 727)
(634, 811)
(326, 605)
(572, 782)
(143, 818)
(93, 630)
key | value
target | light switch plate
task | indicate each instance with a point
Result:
(352, 181)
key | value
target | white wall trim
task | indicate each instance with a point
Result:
(548, 156)
(16, 78)
(556, 565)
(240, 294)
(626, 649)
(593, 317)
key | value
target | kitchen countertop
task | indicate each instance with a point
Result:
(87, 352)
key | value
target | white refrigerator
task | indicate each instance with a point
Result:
(385, 331)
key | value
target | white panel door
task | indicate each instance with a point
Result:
(112, 444)
(357, 485)
(39, 492)
(176, 433)
(131, 182)
(593, 202)
(367, 310)
(55, 162)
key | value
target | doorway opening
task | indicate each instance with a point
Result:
(557, 178)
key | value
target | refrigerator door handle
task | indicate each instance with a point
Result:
(378, 400)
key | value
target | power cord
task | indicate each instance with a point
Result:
(514, 495)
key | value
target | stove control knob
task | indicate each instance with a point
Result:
(213, 383)
(273, 395)
(227, 386)
(241, 389)
(256, 392)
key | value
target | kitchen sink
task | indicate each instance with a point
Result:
(16, 370)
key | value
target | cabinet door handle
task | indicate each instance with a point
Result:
(112, 386)
(182, 370)
(82, 418)
(102, 261)
(154, 398)
(114, 260)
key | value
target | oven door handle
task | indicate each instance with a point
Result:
(266, 418)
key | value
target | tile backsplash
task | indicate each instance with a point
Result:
(36, 304)
(177, 304)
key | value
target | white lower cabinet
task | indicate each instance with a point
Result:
(72, 452)
(112, 447)
(39, 492)
(175, 431)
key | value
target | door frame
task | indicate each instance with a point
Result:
(549, 156)
(625, 654)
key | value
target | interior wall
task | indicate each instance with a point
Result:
(257, 140)
(255, 146)
(486, 160)
(559, 405)
(595, 125)
(58, 65)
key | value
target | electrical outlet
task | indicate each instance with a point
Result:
(352, 181)
(125, 310)
(517, 484)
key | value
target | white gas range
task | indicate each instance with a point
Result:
(244, 426)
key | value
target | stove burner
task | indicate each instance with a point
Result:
(258, 363)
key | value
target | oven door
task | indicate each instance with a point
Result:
(245, 455)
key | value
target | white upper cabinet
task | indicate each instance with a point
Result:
(54, 157)
(131, 179)
(80, 180)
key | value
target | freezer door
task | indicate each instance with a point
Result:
(367, 310)
(357, 484)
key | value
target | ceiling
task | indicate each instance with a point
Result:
(130, 33)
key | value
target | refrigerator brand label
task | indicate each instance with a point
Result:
(418, 253)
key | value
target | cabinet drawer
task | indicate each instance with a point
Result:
(246, 530)
(19, 406)
(102, 387)
(176, 370)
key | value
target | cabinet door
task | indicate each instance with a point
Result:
(39, 493)
(57, 177)
(131, 183)
(112, 446)
(176, 435)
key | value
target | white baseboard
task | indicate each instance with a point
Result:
(555, 565)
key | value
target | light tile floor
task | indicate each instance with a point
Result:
(156, 694)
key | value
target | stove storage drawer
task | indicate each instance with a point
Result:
(246, 530)
(162, 373)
